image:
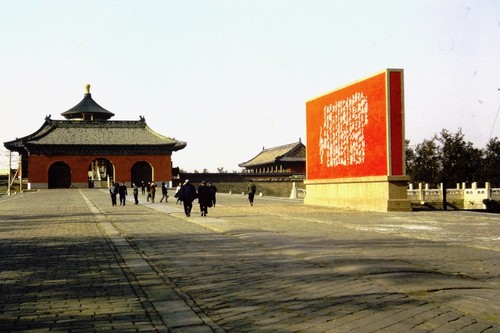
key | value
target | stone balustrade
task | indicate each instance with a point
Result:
(460, 197)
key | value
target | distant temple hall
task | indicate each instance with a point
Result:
(290, 158)
(89, 150)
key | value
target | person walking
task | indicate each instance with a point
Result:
(135, 191)
(143, 187)
(176, 195)
(164, 192)
(153, 192)
(148, 191)
(187, 194)
(113, 192)
(251, 189)
(122, 191)
(204, 198)
(213, 193)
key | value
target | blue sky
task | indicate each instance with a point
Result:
(231, 77)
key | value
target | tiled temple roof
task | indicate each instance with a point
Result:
(87, 109)
(94, 133)
(293, 152)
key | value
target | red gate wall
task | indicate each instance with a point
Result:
(38, 166)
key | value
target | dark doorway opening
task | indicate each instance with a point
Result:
(141, 172)
(59, 175)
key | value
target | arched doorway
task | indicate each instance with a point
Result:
(141, 172)
(101, 172)
(59, 175)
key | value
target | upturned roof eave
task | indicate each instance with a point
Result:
(19, 143)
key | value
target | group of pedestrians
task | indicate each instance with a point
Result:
(186, 193)
(206, 195)
(119, 190)
(149, 189)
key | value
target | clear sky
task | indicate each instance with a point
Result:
(231, 77)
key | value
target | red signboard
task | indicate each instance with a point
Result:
(357, 130)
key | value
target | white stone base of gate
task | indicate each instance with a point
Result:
(381, 193)
(36, 186)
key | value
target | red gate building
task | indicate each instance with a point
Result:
(89, 150)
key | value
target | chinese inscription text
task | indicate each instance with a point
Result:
(342, 137)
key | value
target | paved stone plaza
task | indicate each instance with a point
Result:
(71, 262)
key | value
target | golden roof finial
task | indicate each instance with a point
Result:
(87, 88)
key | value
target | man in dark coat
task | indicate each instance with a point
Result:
(251, 189)
(164, 192)
(213, 192)
(204, 198)
(187, 194)
(135, 191)
(122, 191)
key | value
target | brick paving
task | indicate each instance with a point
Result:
(69, 261)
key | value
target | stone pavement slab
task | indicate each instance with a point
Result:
(276, 267)
(59, 273)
